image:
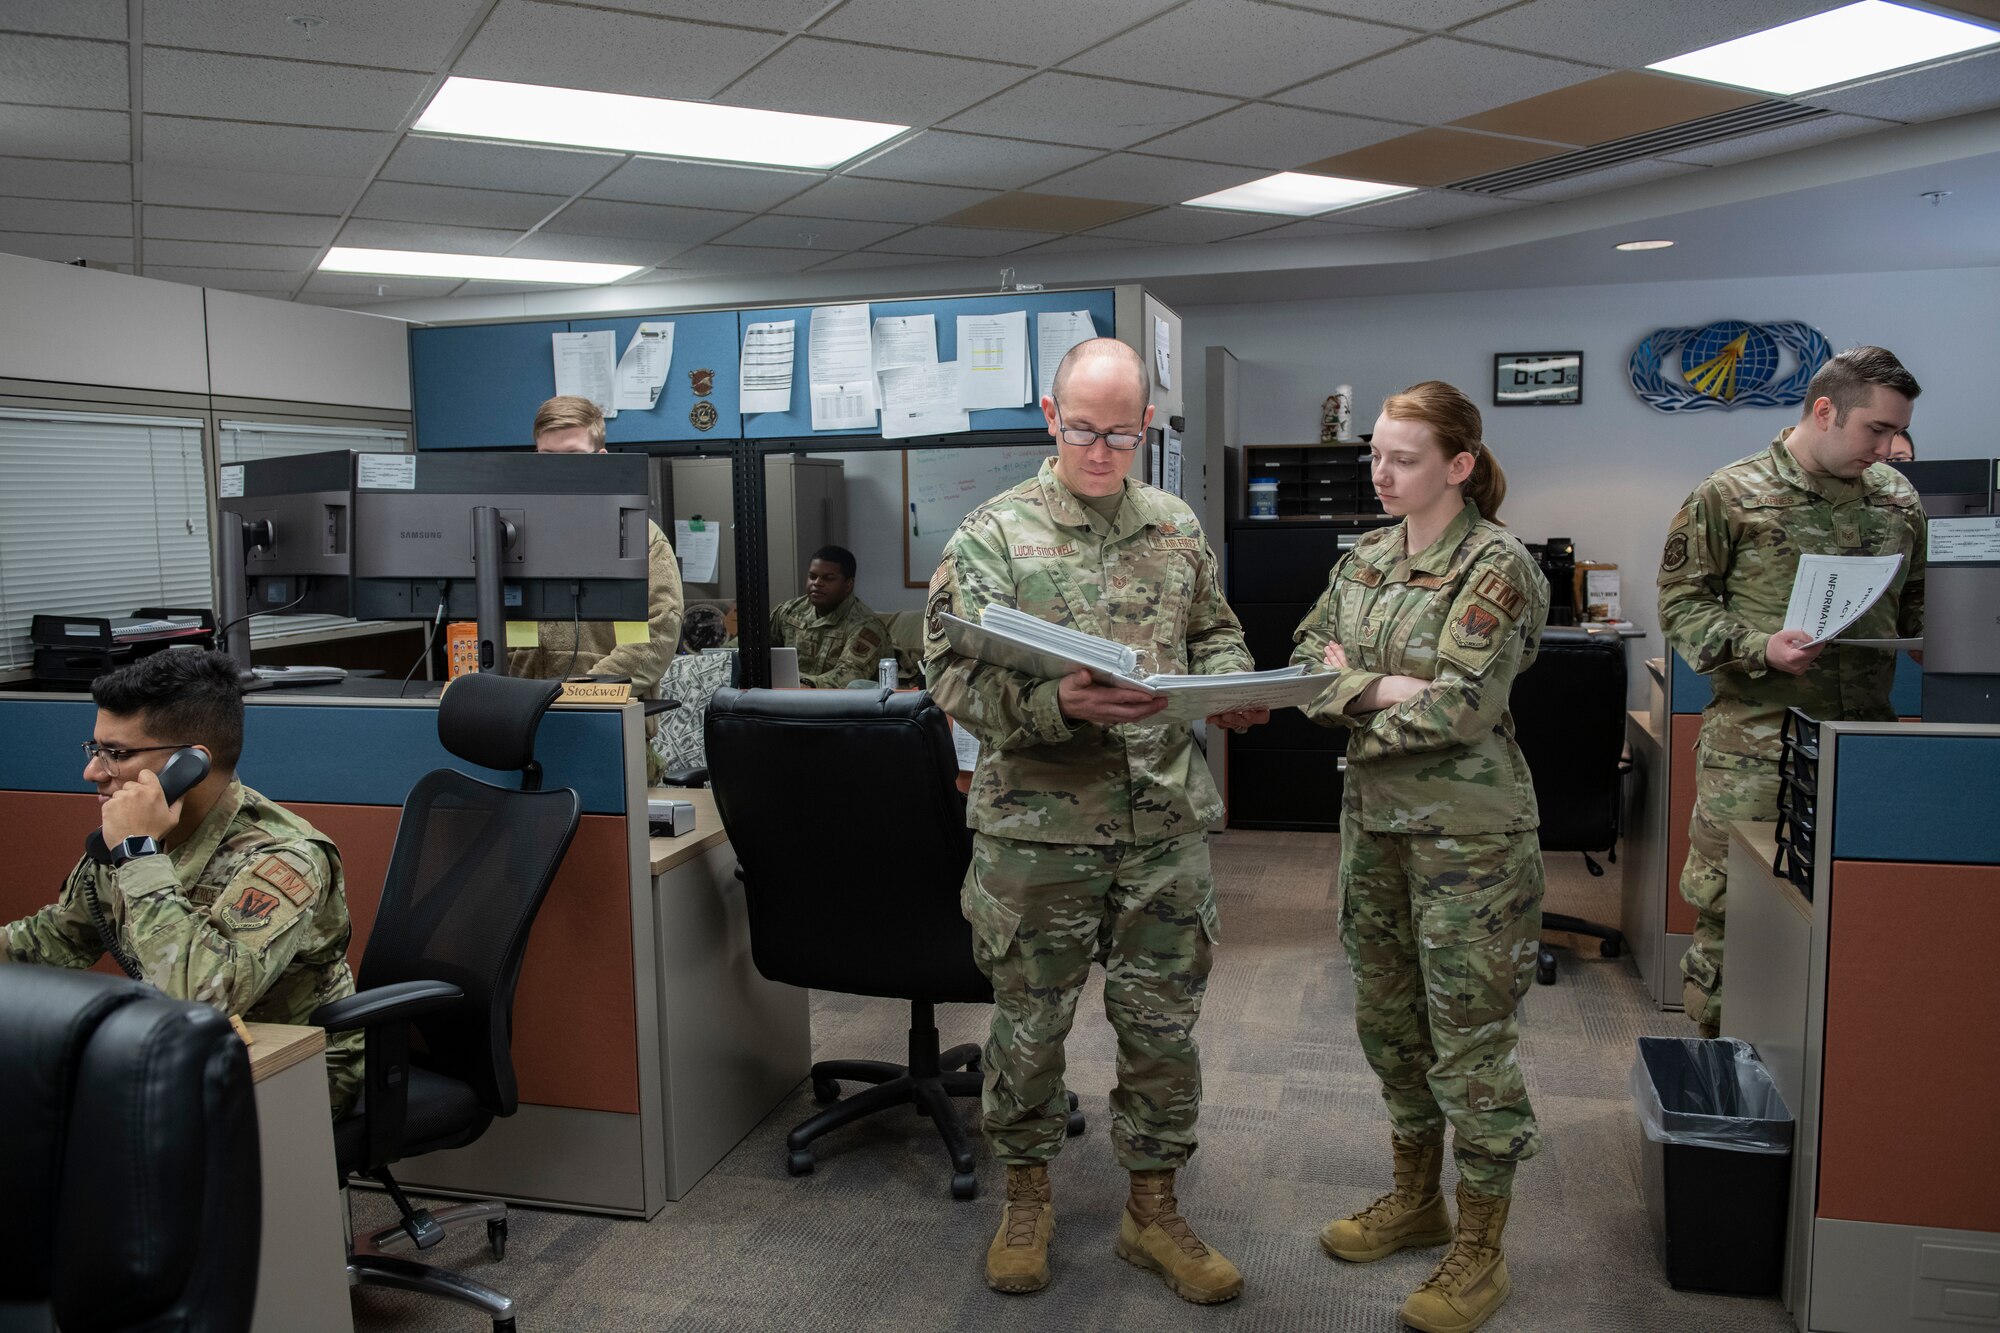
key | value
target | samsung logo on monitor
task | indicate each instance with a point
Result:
(433, 536)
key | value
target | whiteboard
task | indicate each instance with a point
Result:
(942, 486)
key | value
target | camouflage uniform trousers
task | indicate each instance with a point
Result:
(1442, 934)
(1041, 913)
(1727, 787)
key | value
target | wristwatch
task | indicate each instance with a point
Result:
(140, 844)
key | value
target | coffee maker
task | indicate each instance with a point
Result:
(1557, 557)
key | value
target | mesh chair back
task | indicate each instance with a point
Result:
(844, 813)
(471, 866)
(1569, 720)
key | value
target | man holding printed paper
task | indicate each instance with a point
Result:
(1726, 578)
(1091, 815)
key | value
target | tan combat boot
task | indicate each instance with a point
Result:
(1471, 1280)
(1018, 1258)
(1708, 1031)
(1412, 1214)
(1154, 1236)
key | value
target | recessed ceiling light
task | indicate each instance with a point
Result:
(530, 113)
(491, 268)
(1839, 46)
(1642, 245)
(1298, 194)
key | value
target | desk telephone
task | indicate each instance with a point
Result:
(184, 769)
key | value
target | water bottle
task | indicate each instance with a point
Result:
(885, 673)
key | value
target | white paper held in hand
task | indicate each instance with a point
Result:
(1831, 592)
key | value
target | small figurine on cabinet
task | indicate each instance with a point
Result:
(1336, 416)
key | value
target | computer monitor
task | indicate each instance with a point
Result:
(285, 540)
(1950, 487)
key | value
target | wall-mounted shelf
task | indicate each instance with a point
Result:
(1316, 481)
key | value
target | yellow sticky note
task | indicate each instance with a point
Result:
(523, 634)
(631, 631)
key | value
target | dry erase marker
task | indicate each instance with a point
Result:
(913, 520)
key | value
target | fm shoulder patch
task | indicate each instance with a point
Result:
(285, 878)
(1501, 593)
(1474, 629)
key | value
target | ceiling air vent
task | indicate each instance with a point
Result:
(1653, 143)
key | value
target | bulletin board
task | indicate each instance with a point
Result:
(942, 486)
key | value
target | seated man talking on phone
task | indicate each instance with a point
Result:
(220, 897)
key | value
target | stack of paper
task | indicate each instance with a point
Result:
(1831, 592)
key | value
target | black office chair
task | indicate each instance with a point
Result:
(1569, 719)
(471, 865)
(128, 1143)
(865, 903)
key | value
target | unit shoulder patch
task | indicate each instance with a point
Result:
(252, 909)
(1474, 628)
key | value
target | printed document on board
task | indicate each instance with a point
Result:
(1056, 331)
(642, 371)
(993, 366)
(766, 376)
(840, 368)
(1831, 592)
(921, 400)
(699, 544)
(586, 366)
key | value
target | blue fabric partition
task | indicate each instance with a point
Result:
(477, 386)
(1691, 691)
(706, 341)
(1917, 798)
(797, 422)
(329, 753)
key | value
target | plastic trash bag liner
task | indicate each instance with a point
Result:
(1709, 1094)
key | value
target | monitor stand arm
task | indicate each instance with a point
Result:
(232, 598)
(491, 536)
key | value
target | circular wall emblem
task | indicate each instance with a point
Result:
(703, 416)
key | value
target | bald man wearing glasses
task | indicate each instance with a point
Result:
(1090, 816)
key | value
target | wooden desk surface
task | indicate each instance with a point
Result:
(708, 831)
(1643, 719)
(1761, 841)
(275, 1047)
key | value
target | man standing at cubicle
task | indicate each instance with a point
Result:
(1090, 818)
(839, 640)
(1725, 581)
(571, 425)
(221, 897)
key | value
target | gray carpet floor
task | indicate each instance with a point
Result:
(1292, 1132)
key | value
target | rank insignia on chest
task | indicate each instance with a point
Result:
(1475, 628)
(252, 911)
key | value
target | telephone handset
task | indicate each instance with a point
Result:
(182, 772)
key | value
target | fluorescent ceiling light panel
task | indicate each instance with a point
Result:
(1642, 245)
(531, 113)
(1298, 194)
(491, 268)
(1836, 47)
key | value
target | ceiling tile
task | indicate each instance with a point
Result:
(495, 166)
(1612, 106)
(646, 222)
(1031, 211)
(738, 259)
(1429, 208)
(1028, 32)
(41, 131)
(883, 201)
(234, 145)
(214, 224)
(1957, 89)
(703, 185)
(65, 215)
(403, 201)
(1189, 226)
(594, 249)
(1611, 178)
(369, 234)
(1432, 157)
(1148, 180)
(1100, 113)
(868, 83)
(776, 15)
(231, 254)
(57, 71)
(61, 249)
(260, 281)
(390, 33)
(353, 285)
(1436, 81)
(72, 18)
(609, 51)
(941, 157)
(1783, 139)
(1427, 14)
(256, 191)
(879, 259)
(961, 241)
(226, 87)
(1239, 47)
(1078, 245)
(811, 233)
(1631, 33)
(40, 179)
(1316, 229)
(1275, 138)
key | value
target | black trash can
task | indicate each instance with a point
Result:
(1716, 1161)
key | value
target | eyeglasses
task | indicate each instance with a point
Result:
(111, 756)
(1083, 439)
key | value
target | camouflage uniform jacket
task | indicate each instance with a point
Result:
(249, 915)
(1465, 614)
(1145, 578)
(596, 645)
(833, 650)
(1726, 578)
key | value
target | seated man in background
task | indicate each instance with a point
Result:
(570, 425)
(839, 639)
(222, 897)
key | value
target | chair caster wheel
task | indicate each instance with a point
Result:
(800, 1163)
(825, 1091)
(496, 1237)
(964, 1185)
(1609, 949)
(1545, 972)
(504, 1325)
(1077, 1124)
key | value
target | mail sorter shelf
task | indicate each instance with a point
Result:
(1316, 480)
(1798, 801)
